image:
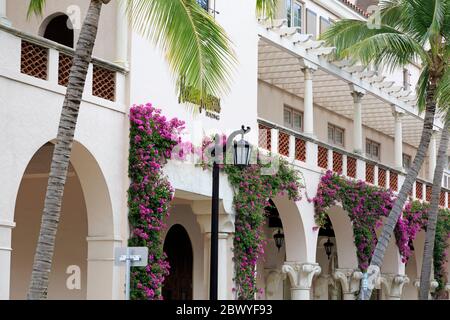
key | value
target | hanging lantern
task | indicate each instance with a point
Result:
(279, 239)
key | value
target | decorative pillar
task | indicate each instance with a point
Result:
(274, 284)
(398, 139)
(357, 94)
(308, 70)
(5, 257)
(3, 18)
(121, 36)
(433, 285)
(392, 285)
(350, 280)
(433, 155)
(202, 210)
(301, 276)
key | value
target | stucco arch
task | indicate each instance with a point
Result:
(294, 230)
(49, 18)
(101, 239)
(392, 262)
(343, 231)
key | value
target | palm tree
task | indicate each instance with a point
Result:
(410, 31)
(198, 52)
(425, 274)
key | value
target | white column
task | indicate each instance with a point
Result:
(433, 155)
(3, 18)
(357, 94)
(308, 113)
(5, 257)
(350, 281)
(398, 139)
(225, 247)
(392, 285)
(301, 276)
(121, 36)
(433, 285)
(105, 281)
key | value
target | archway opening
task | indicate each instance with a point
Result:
(276, 286)
(178, 247)
(60, 30)
(68, 278)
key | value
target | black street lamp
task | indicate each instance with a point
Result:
(241, 157)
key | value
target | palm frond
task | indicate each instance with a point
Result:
(36, 7)
(197, 49)
(443, 91)
(422, 87)
(266, 8)
(383, 45)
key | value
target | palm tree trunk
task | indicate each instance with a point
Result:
(61, 154)
(433, 215)
(391, 221)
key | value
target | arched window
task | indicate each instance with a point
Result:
(58, 28)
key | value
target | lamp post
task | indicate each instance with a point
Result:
(241, 157)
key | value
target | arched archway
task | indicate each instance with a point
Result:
(294, 230)
(71, 246)
(85, 239)
(177, 245)
(58, 28)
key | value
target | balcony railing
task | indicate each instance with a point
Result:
(310, 153)
(50, 63)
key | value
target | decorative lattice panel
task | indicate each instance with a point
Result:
(265, 137)
(370, 173)
(448, 199)
(34, 60)
(64, 65)
(428, 193)
(351, 167)
(393, 181)
(442, 199)
(300, 149)
(283, 144)
(419, 190)
(337, 162)
(382, 177)
(322, 157)
(104, 83)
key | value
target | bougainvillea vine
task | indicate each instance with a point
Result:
(152, 139)
(366, 206)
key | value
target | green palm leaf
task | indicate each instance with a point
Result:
(36, 7)
(266, 8)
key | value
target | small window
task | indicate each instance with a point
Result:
(335, 135)
(324, 24)
(311, 23)
(406, 79)
(293, 119)
(406, 161)
(373, 149)
(294, 13)
(204, 4)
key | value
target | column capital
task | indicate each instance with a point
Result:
(397, 112)
(350, 279)
(393, 284)
(433, 284)
(357, 92)
(301, 274)
(308, 68)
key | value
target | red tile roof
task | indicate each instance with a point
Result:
(355, 8)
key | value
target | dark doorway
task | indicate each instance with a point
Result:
(58, 30)
(177, 246)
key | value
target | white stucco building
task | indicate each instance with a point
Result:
(321, 114)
